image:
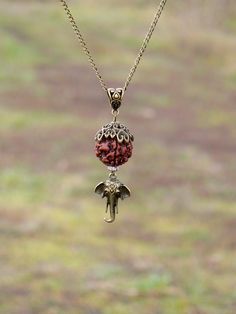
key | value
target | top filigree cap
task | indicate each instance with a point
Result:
(114, 129)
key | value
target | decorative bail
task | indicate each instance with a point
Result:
(115, 96)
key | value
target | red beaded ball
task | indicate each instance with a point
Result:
(114, 144)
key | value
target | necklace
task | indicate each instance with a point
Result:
(114, 142)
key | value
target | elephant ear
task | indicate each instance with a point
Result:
(99, 189)
(124, 192)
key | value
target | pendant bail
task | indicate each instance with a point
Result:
(115, 96)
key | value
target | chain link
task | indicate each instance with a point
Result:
(145, 42)
(82, 42)
(88, 54)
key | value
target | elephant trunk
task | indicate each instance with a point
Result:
(112, 216)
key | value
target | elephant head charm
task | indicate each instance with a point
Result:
(112, 189)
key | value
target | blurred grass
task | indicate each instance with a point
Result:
(13, 120)
(172, 249)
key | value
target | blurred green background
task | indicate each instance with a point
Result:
(172, 247)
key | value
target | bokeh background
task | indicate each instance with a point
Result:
(172, 247)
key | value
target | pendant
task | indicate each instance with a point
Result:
(113, 148)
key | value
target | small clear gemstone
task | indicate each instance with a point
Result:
(112, 169)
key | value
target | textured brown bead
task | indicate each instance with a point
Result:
(112, 153)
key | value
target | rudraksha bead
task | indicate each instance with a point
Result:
(114, 144)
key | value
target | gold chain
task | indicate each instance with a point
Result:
(141, 51)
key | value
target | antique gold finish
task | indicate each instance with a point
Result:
(115, 96)
(112, 189)
(115, 130)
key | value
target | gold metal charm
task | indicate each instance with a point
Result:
(112, 189)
